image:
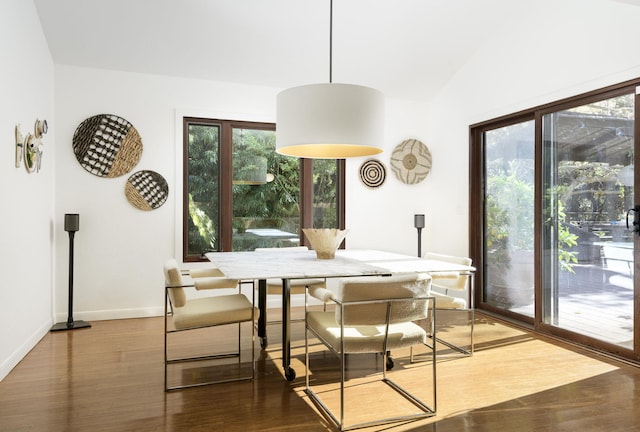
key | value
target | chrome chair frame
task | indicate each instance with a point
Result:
(430, 329)
(469, 310)
(168, 311)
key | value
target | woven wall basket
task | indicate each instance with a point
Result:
(373, 173)
(107, 145)
(411, 161)
(146, 190)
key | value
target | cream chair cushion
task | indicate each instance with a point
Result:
(205, 272)
(363, 339)
(173, 277)
(364, 324)
(445, 281)
(205, 283)
(215, 310)
(380, 288)
(206, 311)
(296, 286)
(449, 280)
(322, 294)
(444, 301)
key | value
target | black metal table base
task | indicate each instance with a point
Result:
(262, 306)
(289, 372)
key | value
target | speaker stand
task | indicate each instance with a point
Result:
(70, 324)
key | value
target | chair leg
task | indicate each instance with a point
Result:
(237, 354)
(339, 419)
(388, 364)
(461, 349)
(166, 301)
(470, 311)
(249, 377)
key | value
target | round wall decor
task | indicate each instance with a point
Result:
(107, 145)
(411, 161)
(372, 173)
(146, 190)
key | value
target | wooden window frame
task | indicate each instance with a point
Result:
(476, 210)
(225, 181)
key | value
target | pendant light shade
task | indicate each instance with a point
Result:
(330, 121)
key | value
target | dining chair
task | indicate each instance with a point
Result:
(454, 291)
(296, 286)
(185, 312)
(373, 315)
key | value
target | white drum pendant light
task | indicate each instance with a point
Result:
(330, 121)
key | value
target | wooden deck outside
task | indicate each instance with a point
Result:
(596, 302)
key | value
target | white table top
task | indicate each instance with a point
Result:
(288, 265)
(304, 264)
(399, 263)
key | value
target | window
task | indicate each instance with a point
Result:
(239, 194)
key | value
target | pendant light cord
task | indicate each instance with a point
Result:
(330, 41)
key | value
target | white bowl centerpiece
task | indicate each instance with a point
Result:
(325, 241)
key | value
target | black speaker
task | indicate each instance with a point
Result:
(72, 222)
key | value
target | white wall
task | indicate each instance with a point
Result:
(27, 230)
(120, 249)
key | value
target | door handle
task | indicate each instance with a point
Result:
(636, 219)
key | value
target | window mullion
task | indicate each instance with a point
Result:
(226, 187)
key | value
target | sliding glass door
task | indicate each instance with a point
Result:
(588, 251)
(553, 194)
(509, 217)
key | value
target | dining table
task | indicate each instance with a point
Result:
(287, 266)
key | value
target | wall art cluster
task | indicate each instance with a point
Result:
(410, 162)
(146, 190)
(373, 173)
(109, 146)
(29, 146)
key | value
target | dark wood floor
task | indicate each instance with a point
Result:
(110, 378)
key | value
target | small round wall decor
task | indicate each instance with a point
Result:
(411, 161)
(107, 145)
(146, 190)
(372, 173)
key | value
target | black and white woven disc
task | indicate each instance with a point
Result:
(373, 173)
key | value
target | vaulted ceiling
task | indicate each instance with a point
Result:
(407, 48)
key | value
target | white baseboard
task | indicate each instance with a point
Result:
(15, 358)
